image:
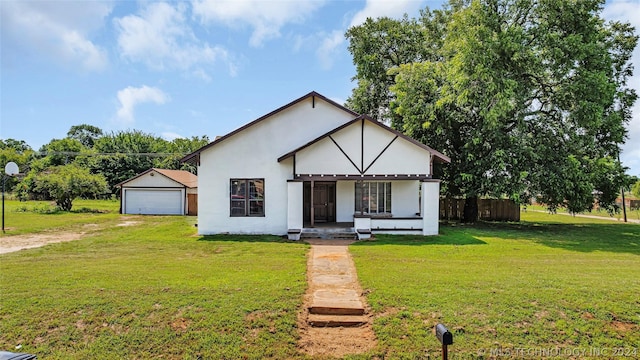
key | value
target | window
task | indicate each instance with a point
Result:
(247, 197)
(373, 197)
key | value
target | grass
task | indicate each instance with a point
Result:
(551, 282)
(631, 214)
(156, 290)
(38, 216)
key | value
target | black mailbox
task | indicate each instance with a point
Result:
(443, 334)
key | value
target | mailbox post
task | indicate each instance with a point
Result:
(446, 339)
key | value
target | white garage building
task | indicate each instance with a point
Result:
(160, 192)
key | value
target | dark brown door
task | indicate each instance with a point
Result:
(192, 204)
(324, 198)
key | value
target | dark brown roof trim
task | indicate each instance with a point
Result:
(312, 94)
(437, 155)
(377, 177)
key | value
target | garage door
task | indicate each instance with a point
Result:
(153, 202)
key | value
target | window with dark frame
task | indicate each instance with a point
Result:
(247, 197)
(373, 197)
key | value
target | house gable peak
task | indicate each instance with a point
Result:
(194, 157)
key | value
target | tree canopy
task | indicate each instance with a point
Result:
(65, 183)
(89, 155)
(528, 98)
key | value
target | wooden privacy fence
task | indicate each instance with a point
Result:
(634, 204)
(488, 209)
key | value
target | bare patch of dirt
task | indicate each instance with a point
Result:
(333, 341)
(19, 242)
(623, 326)
(336, 342)
(29, 241)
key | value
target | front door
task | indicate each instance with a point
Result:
(324, 202)
(321, 202)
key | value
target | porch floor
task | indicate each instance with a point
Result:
(331, 230)
(329, 225)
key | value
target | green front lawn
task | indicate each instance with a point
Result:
(631, 214)
(551, 283)
(38, 216)
(154, 289)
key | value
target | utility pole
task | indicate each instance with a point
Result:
(624, 207)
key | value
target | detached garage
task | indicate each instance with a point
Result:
(160, 192)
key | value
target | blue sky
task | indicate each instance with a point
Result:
(188, 68)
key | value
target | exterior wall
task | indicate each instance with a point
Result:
(430, 207)
(414, 160)
(381, 156)
(402, 224)
(254, 153)
(294, 205)
(376, 140)
(345, 201)
(404, 198)
(324, 157)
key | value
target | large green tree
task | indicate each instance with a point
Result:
(527, 98)
(67, 182)
(61, 151)
(85, 134)
(124, 154)
(121, 155)
(380, 45)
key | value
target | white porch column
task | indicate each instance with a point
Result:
(294, 209)
(362, 225)
(430, 207)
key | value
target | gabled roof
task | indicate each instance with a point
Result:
(438, 156)
(180, 176)
(219, 139)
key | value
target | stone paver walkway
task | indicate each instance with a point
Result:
(335, 295)
(334, 321)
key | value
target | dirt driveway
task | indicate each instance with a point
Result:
(13, 243)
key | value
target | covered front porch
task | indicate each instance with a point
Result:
(365, 173)
(346, 205)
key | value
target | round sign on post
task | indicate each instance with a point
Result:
(11, 169)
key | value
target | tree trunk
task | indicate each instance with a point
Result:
(470, 213)
(65, 203)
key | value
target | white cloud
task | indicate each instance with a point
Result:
(168, 135)
(627, 11)
(265, 17)
(161, 38)
(379, 8)
(57, 30)
(130, 97)
(329, 48)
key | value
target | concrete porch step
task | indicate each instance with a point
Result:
(331, 235)
(336, 320)
(331, 310)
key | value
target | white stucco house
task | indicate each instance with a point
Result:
(160, 192)
(313, 162)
